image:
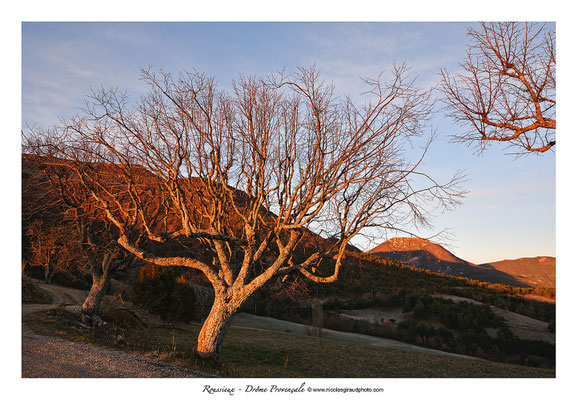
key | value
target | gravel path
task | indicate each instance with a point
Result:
(51, 357)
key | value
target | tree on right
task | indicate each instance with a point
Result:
(505, 90)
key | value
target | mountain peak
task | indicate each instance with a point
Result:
(412, 244)
(421, 253)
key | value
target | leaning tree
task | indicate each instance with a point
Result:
(64, 230)
(506, 88)
(229, 182)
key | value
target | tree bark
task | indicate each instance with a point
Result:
(214, 330)
(98, 289)
(48, 273)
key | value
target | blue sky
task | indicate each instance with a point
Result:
(510, 210)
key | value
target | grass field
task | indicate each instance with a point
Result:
(258, 353)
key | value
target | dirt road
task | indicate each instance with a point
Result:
(50, 357)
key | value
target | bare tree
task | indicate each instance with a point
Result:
(63, 231)
(229, 183)
(507, 89)
(103, 257)
(46, 248)
(43, 227)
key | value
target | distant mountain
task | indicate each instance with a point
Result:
(404, 245)
(422, 253)
(533, 271)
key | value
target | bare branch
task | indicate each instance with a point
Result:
(236, 181)
(507, 90)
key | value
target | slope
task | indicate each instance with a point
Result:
(532, 271)
(422, 253)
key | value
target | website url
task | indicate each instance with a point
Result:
(345, 390)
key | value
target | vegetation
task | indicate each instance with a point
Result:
(231, 185)
(161, 291)
(31, 293)
(257, 353)
(368, 281)
(374, 282)
(241, 176)
(61, 235)
(506, 91)
(465, 331)
(71, 279)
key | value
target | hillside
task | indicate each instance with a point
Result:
(380, 297)
(41, 201)
(406, 245)
(411, 296)
(247, 352)
(532, 271)
(422, 253)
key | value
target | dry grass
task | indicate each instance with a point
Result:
(257, 353)
(32, 293)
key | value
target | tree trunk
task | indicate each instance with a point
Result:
(97, 290)
(317, 317)
(48, 273)
(49, 268)
(100, 280)
(214, 329)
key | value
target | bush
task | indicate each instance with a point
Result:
(160, 291)
(61, 278)
(421, 310)
(334, 304)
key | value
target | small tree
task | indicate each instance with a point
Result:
(62, 230)
(47, 248)
(102, 259)
(230, 183)
(507, 90)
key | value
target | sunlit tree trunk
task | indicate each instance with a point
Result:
(96, 295)
(100, 283)
(215, 328)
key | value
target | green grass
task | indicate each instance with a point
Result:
(264, 354)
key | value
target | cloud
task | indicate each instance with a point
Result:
(133, 34)
(516, 190)
(346, 51)
(62, 62)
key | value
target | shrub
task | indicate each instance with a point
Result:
(334, 304)
(421, 310)
(160, 291)
(61, 278)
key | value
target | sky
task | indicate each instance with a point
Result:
(509, 211)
